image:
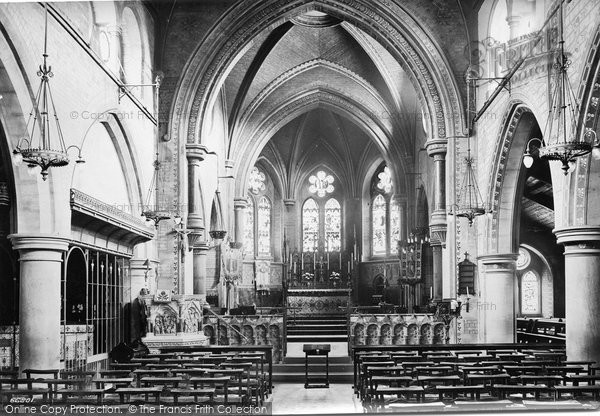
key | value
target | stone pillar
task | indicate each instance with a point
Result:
(239, 206)
(195, 154)
(40, 258)
(582, 290)
(497, 306)
(438, 225)
(200, 251)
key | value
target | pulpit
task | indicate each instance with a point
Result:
(173, 320)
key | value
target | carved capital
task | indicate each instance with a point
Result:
(39, 247)
(195, 153)
(438, 228)
(579, 239)
(436, 147)
(240, 203)
(196, 238)
(289, 202)
(499, 262)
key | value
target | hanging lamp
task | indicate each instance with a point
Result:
(41, 147)
(562, 141)
(470, 203)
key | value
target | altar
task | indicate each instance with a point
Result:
(318, 301)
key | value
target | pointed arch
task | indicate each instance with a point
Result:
(310, 225)
(333, 225)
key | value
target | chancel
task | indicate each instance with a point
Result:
(305, 207)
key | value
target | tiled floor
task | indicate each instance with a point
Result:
(294, 399)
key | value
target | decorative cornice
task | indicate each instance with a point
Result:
(102, 211)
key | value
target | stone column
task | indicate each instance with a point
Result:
(239, 206)
(497, 306)
(40, 258)
(582, 290)
(436, 148)
(195, 154)
(200, 251)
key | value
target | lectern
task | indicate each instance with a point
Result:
(318, 380)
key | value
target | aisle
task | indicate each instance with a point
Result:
(294, 399)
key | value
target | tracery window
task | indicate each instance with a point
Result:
(530, 293)
(256, 181)
(321, 184)
(249, 229)
(310, 225)
(264, 227)
(385, 180)
(379, 225)
(333, 225)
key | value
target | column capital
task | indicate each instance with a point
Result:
(289, 202)
(499, 261)
(195, 152)
(583, 239)
(201, 249)
(438, 228)
(196, 237)
(240, 203)
(437, 147)
(46, 247)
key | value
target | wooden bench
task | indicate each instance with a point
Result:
(80, 393)
(208, 394)
(410, 391)
(486, 379)
(575, 390)
(454, 391)
(523, 389)
(576, 379)
(126, 392)
(548, 379)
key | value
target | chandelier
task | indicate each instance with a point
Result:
(563, 144)
(152, 210)
(39, 147)
(470, 203)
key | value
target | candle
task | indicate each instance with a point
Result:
(314, 260)
(302, 255)
(431, 292)
(352, 258)
(328, 260)
(348, 266)
(294, 267)
(467, 291)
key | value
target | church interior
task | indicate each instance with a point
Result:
(300, 206)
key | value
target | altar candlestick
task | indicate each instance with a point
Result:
(467, 291)
(348, 266)
(340, 263)
(431, 292)
(302, 255)
(315, 260)
(328, 260)
(294, 267)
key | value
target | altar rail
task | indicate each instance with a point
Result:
(400, 329)
(254, 330)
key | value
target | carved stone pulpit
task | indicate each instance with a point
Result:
(173, 320)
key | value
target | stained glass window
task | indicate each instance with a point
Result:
(321, 184)
(264, 227)
(310, 225)
(256, 181)
(530, 293)
(385, 180)
(249, 229)
(333, 225)
(395, 222)
(379, 218)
